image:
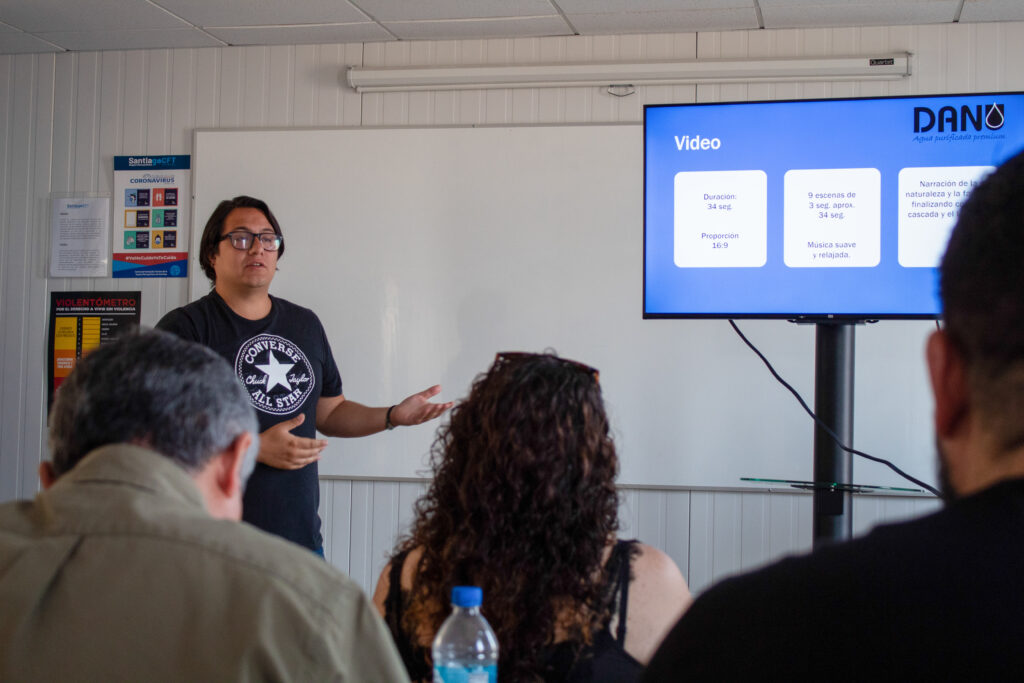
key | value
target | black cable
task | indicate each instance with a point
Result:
(820, 423)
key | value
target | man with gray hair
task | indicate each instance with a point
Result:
(132, 564)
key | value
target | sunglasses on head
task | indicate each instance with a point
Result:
(507, 356)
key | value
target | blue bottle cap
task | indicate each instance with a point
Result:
(467, 596)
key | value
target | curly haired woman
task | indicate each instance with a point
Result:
(523, 504)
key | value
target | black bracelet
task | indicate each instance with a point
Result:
(388, 424)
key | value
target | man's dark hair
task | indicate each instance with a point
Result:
(155, 390)
(982, 290)
(210, 242)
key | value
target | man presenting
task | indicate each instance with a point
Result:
(132, 565)
(937, 598)
(281, 355)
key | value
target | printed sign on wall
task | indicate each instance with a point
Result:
(151, 213)
(81, 321)
(79, 236)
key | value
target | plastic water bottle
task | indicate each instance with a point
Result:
(465, 649)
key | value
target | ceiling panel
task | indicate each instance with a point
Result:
(248, 13)
(131, 40)
(386, 11)
(811, 13)
(602, 6)
(301, 35)
(37, 16)
(839, 5)
(480, 28)
(16, 42)
(123, 24)
(993, 10)
(657, 22)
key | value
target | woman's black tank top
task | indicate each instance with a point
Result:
(604, 661)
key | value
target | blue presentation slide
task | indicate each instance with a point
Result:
(812, 208)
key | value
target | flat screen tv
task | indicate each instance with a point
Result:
(812, 209)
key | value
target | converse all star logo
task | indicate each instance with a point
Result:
(275, 372)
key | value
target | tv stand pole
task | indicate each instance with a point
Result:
(833, 403)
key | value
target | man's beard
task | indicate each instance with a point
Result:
(945, 484)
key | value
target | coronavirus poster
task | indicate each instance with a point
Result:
(151, 214)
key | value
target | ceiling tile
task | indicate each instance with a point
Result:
(670, 21)
(812, 13)
(879, 5)
(37, 16)
(16, 42)
(131, 40)
(603, 6)
(129, 24)
(480, 28)
(248, 13)
(993, 10)
(423, 10)
(301, 35)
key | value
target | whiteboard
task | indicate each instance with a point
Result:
(426, 250)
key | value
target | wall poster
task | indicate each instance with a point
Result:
(79, 236)
(81, 321)
(151, 215)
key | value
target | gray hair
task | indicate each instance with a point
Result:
(156, 390)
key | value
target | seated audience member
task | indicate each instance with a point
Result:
(132, 565)
(937, 598)
(523, 504)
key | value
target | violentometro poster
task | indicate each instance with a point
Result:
(151, 215)
(81, 321)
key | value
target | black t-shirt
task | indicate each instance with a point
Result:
(934, 599)
(285, 364)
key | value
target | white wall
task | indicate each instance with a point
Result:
(710, 534)
(63, 118)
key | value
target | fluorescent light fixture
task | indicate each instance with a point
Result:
(394, 79)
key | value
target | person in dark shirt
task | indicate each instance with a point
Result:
(523, 504)
(281, 355)
(937, 598)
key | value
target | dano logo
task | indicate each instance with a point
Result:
(953, 120)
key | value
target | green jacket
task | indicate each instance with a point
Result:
(117, 573)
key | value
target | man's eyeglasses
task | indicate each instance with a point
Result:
(506, 356)
(242, 240)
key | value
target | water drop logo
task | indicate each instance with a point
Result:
(970, 116)
(994, 118)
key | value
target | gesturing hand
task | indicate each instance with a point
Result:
(417, 409)
(281, 449)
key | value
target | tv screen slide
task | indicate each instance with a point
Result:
(813, 208)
